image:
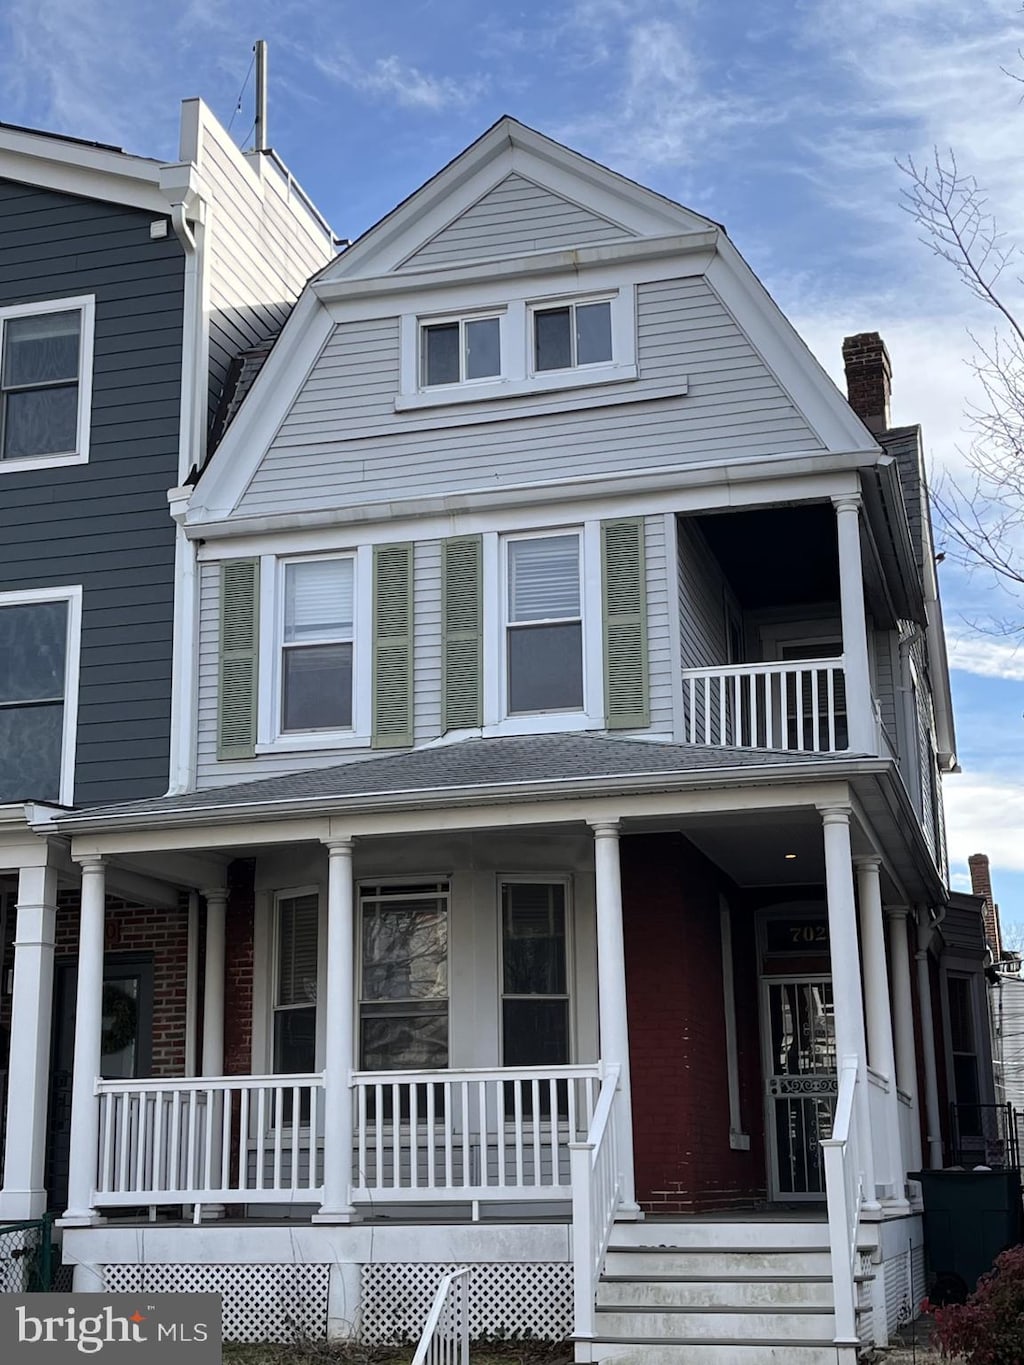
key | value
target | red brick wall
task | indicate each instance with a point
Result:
(238, 971)
(138, 929)
(677, 1031)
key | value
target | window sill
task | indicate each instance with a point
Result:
(477, 392)
(29, 462)
(314, 743)
(546, 723)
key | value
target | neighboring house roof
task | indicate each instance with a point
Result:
(237, 383)
(533, 760)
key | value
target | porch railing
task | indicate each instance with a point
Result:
(470, 1135)
(844, 1191)
(794, 706)
(210, 1140)
(596, 1194)
(445, 1339)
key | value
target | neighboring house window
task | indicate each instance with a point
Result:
(294, 1029)
(964, 1047)
(535, 977)
(572, 335)
(39, 639)
(45, 382)
(458, 350)
(317, 645)
(544, 624)
(403, 980)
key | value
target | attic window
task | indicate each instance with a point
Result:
(459, 350)
(572, 335)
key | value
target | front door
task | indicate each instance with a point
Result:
(798, 1028)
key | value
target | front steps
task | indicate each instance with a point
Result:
(702, 1292)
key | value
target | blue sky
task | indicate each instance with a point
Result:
(780, 120)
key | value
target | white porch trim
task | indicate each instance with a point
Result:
(88, 1047)
(339, 1050)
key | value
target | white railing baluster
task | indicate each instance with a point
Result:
(691, 718)
(830, 687)
(243, 1138)
(484, 1145)
(707, 708)
(414, 1142)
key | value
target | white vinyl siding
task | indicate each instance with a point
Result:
(515, 217)
(342, 438)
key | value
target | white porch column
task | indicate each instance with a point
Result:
(611, 990)
(213, 982)
(859, 704)
(876, 999)
(847, 991)
(903, 1025)
(28, 1076)
(339, 1048)
(88, 1048)
(928, 1043)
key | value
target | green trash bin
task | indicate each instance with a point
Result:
(969, 1218)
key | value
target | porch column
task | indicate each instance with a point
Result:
(28, 1076)
(933, 1124)
(213, 982)
(903, 1024)
(847, 990)
(88, 1047)
(876, 999)
(339, 1048)
(611, 991)
(860, 708)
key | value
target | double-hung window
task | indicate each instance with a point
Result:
(544, 624)
(458, 350)
(572, 335)
(45, 367)
(403, 980)
(38, 680)
(317, 644)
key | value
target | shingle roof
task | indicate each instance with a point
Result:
(468, 764)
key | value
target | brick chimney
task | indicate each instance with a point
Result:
(868, 379)
(981, 885)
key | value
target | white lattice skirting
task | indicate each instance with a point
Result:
(505, 1300)
(260, 1302)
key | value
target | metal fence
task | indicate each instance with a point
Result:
(29, 1260)
(985, 1135)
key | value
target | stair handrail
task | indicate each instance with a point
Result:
(844, 1191)
(596, 1194)
(445, 1338)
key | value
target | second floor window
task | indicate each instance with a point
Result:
(544, 626)
(45, 356)
(572, 335)
(317, 645)
(34, 656)
(459, 350)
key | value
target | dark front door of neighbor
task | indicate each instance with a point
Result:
(127, 1041)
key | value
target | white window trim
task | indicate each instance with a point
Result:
(518, 377)
(565, 880)
(270, 739)
(572, 302)
(426, 320)
(270, 979)
(397, 883)
(73, 597)
(497, 720)
(86, 305)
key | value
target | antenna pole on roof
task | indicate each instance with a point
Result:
(260, 143)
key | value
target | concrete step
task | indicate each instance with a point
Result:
(724, 1351)
(776, 1294)
(713, 1263)
(708, 1232)
(691, 1325)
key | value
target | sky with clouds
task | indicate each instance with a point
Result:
(783, 121)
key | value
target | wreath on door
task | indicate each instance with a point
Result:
(120, 1019)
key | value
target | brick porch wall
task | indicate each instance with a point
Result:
(238, 971)
(677, 1031)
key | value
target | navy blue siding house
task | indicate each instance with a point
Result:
(127, 286)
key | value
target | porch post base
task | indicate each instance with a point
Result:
(21, 1206)
(871, 1211)
(335, 1216)
(896, 1207)
(74, 1218)
(629, 1213)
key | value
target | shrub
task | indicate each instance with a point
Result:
(989, 1328)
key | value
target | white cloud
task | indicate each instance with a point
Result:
(407, 86)
(986, 657)
(985, 814)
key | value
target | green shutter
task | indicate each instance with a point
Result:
(238, 680)
(624, 624)
(462, 627)
(392, 646)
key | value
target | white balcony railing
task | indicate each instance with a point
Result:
(470, 1135)
(844, 1186)
(793, 706)
(210, 1140)
(432, 1136)
(596, 1195)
